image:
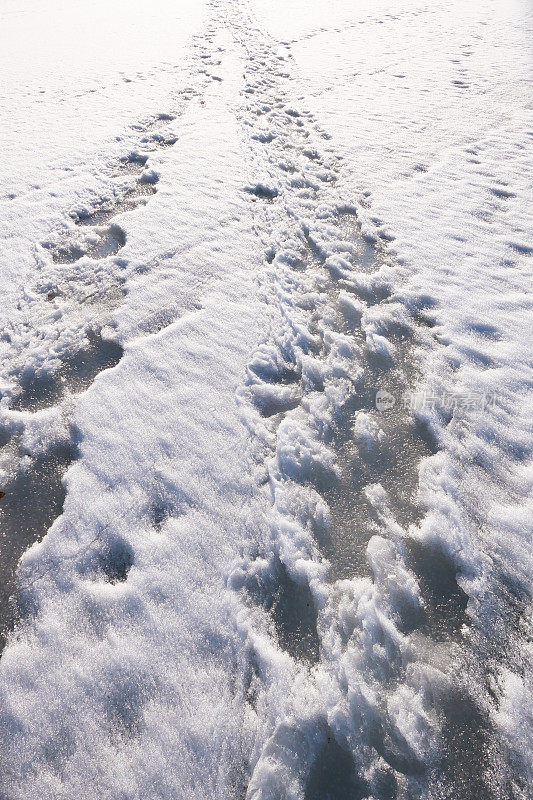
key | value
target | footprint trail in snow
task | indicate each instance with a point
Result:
(206, 439)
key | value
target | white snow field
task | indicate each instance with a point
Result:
(265, 400)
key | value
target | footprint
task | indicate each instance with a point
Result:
(110, 241)
(133, 163)
(32, 500)
(293, 611)
(113, 561)
(445, 601)
(502, 194)
(164, 141)
(334, 775)
(77, 371)
(262, 192)
(271, 400)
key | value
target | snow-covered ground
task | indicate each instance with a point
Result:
(265, 400)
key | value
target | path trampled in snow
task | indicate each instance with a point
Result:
(264, 405)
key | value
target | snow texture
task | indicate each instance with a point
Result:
(265, 400)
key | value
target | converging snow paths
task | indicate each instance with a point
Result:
(257, 580)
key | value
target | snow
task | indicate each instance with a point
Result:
(265, 400)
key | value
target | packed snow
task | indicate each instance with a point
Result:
(265, 400)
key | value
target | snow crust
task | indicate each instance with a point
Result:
(238, 237)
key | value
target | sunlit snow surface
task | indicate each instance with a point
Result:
(229, 568)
